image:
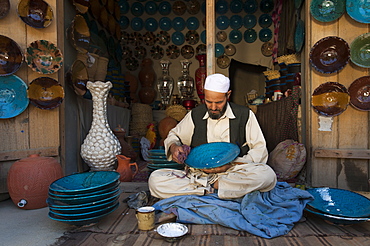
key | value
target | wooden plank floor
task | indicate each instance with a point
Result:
(120, 228)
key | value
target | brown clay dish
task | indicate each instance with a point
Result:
(359, 92)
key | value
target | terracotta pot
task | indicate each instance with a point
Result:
(147, 74)
(165, 125)
(29, 180)
(126, 148)
(147, 95)
(124, 168)
(200, 76)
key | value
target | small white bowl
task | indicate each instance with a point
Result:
(172, 231)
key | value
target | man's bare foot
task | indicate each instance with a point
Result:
(164, 217)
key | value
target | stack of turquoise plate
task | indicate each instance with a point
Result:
(84, 198)
(157, 160)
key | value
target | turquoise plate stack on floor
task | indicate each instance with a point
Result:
(84, 198)
(157, 160)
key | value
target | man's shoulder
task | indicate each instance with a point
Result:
(235, 106)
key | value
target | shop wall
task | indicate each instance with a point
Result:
(34, 131)
(340, 156)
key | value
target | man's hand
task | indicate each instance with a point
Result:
(179, 153)
(221, 169)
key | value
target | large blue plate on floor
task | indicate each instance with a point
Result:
(84, 182)
(358, 10)
(55, 204)
(13, 96)
(340, 202)
(84, 199)
(337, 220)
(212, 155)
(83, 209)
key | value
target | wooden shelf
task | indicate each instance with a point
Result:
(343, 153)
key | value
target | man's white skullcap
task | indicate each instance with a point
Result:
(217, 82)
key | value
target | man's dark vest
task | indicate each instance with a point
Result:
(237, 126)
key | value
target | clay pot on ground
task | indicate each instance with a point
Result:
(164, 126)
(124, 168)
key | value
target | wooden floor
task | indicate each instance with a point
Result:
(120, 228)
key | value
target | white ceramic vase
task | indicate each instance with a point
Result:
(100, 146)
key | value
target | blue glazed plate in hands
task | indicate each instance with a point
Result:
(339, 202)
(212, 155)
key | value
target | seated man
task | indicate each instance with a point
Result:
(216, 121)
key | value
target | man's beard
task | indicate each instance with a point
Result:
(218, 114)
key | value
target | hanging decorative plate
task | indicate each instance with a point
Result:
(326, 11)
(112, 24)
(136, 38)
(173, 51)
(179, 7)
(151, 24)
(230, 50)
(358, 10)
(222, 7)
(149, 39)
(187, 51)
(266, 6)
(250, 35)
(223, 61)
(140, 52)
(79, 75)
(126, 52)
(178, 38)
(164, 8)
(163, 38)
(117, 11)
(125, 37)
(359, 49)
(45, 93)
(110, 7)
(103, 18)
(4, 9)
(156, 52)
(11, 56)
(137, 24)
(193, 7)
(329, 54)
(250, 21)
(165, 23)
(95, 8)
(43, 57)
(236, 22)
(222, 22)
(203, 36)
(235, 36)
(219, 49)
(137, 9)
(13, 96)
(265, 20)
(37, 14)
(178, 23)
(250, 6)
(265, 34)
(236, 6)
(124, 22)
(221, 36)
(81, 6)
(78, 34)
(266, 48)
(330, 99)
(124, 6)
(132, 63)
(203, 7)
(192, 37)
(212, 155)
(299, 36)
(201, 49)
(359, 92)
(151, 8)
(192, 23)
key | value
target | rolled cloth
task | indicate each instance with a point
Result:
(217, 82)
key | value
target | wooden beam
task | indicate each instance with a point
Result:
(210, 34)
(20, 154)
(343, 153)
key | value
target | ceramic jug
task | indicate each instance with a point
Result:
(124, 168)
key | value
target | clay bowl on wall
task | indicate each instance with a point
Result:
(11, 56)
(37, 14)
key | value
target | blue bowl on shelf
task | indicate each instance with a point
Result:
(222, 7)
(250, 6)
(192, 23)
(265, 34)
(236, 6)
(250, 21)
(222, 22)
(340, 202)
(178, 23)
(219, 49)
(151, 24)
(235, 36)
(151, 7)
(164, 8)
(236, 21)
(212, 155)
(250, 35)
(137, 9)
(137, 24)
(165, 23)
(83, 183)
